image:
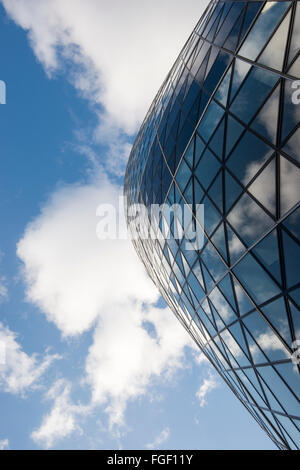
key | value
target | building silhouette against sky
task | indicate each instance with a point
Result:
(223, 131)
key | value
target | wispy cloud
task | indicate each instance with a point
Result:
(61, 421)
(162, 437)
(4, 444)
(3, 288)
(20, 372)
(209, 384)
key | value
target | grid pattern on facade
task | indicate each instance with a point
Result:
(224, 131)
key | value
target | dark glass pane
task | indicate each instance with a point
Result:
(232, 189)
(291, 251)
(211, 216)
(210, 120)
(268, 254)
(217, 142)
(249, 220)
(256, 280)
(277, 316)
(264, 187)
(292, 147)
(289, 185)
(222, 93)
(248, 157)
(255, 89)
(207, 168)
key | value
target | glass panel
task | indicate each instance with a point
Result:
(189, 154)
(263, 28)
(283, 394)
(265, 338)
(199, 193)
(291, 251)
(295, 313)
(195, 286)
(255, 279)
(293, 146)
(264, 187)
(241, 69)
(210, 120)
(213, 262)
(217, 142)
(223, 89)
(290, 184)
(216, 193)
(274, 53)
(253, 92)
(291, 110)
(252, 9)
(291, 375)
(209, 282)
(267, 119)
(233, 190)
(235, 246)
(234, 131)
(200, 146)
(222, 306)
(277, 316)
(248, 157)
(236, 9)
(211, 216)
(217, 71)
(219, 241)
(226, 288)
(267, 252)
(291, 431)
(244, 302)
(207, 168)
(250, 389)
(183, 175)
(293, 223)
(234, 351)
(295, 43)
(249, 220)
(295, 68)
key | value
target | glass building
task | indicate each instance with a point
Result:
(224, 131)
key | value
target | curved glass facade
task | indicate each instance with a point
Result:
(223, 131)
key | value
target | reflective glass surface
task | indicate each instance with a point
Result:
(224, 131)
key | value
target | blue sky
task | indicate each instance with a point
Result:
(93, 358)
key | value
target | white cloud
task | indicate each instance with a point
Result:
(3, 283)
(81, 282)
(4, 444)
(124, 358)
(117, 55)
(206, 387)
(71, 275)
(62, 419)
(19, 372)
(160, 439)
(118, 52)
(268, 342)
(201, 359)
(3, 288)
